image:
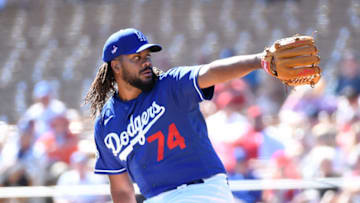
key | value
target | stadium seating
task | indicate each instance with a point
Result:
(61, 40)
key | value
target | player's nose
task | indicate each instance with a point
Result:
(147, 63)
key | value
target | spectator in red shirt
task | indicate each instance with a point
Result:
(59, 143)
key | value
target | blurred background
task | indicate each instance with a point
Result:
(51, 49)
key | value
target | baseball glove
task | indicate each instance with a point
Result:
(293, 60)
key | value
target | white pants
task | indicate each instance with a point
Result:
(214, 190)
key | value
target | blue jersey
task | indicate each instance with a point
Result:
(160, 138)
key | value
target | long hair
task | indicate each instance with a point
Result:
(101, 89)
(104, 86)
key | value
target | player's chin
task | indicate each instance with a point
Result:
(148, 79)
(147, 85)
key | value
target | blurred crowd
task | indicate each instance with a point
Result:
(260, 128)
(47, 148)
(313, 133)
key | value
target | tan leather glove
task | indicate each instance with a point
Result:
(293, 60)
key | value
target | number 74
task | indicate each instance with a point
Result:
(173, 139)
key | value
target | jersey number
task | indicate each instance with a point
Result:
(174, 139)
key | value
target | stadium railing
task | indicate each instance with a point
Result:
(242, 185)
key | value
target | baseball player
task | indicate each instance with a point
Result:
(149, 128)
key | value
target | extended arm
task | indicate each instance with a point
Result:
(226, 69)
(122, 189)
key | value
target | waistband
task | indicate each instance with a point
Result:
(200, 181)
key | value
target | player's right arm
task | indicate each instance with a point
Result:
(122, 189)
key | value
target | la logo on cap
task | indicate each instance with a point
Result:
(141, 36)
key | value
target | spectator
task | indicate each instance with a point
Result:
(17, 176)
(349, 75)
(24, 165)
(283, 166)
(228, 121)
(19, 150)
(80, 174)
(44, 109)
(244, 171)
(322, 149)
(257, 143)
(59, 143)
(327, 171)
(348, 107)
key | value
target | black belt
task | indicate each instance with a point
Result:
(199, 181)
(195, 182)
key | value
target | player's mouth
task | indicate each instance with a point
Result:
(147, 72)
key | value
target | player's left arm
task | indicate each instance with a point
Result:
(226, 69)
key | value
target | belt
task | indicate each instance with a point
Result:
(195, 182)
(199, 181)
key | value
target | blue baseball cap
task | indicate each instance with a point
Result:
(127, 41)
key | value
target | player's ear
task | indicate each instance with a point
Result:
(115, 65)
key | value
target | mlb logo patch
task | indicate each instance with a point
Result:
(113, 51)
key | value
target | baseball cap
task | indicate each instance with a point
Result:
(127, 41)
(42, 89)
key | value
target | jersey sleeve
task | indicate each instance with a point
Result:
(106, 162)
(184, 86)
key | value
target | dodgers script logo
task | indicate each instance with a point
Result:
(135, 131)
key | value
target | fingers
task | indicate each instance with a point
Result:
(298, 61)
(291, 42)
(298, 51)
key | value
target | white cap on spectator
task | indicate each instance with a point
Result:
(41, 89)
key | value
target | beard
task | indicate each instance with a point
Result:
(144, 86)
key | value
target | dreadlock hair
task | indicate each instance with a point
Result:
(103, 86)
(157, 71)
(101, 89)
